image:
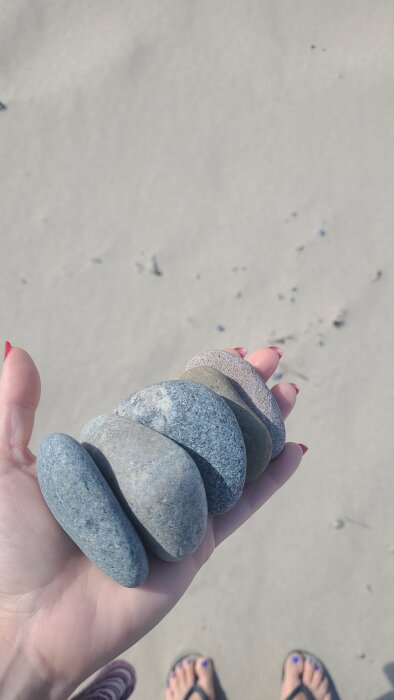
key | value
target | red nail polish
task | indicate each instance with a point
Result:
(241, 351)
(303, 447)
(277, 350)
(7, 348)
(296, 387)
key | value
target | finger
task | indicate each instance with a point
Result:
(266, 361)
(20, 390)
(257, 492)
(285, 395)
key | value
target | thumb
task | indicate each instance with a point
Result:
(20, 390)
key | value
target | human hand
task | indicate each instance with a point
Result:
(62, 618)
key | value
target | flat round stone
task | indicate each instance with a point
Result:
(83, 504)
(154, 479)
(201, 422)
(250, 387)
(256, 436)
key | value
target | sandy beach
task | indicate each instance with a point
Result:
(179, 176)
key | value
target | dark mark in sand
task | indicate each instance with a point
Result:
(155, 267)
(23, 280)
(2, 107)
(300, 248)
(281, 340)
(140, 267)
(340, 320)
(378, 275)
(238, 295)
(357, 522)
(322, 232)
(220, 328)
(97, 260)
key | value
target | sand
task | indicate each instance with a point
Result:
(180, 176)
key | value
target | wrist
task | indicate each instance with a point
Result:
(24, 675)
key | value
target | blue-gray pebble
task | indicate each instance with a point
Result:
(251, 388)
(201, 422)
(155, 480)
(84, 505)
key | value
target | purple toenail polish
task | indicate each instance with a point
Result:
(295, 659)
(204, 663)
(179, 664)
(317, 667)
(173, 674)
(310, 660)
(189, 661)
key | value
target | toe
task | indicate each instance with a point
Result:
(292, 672)
(309, 668)
(204, 673)
(172, 684)
(317, 678)
(188, 669)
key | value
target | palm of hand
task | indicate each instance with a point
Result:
(72, 617)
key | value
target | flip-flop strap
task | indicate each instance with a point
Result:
(200, 691)
(301, 689)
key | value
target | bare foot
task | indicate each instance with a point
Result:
(299, 670)
(191, 672)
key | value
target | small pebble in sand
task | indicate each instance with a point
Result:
(155, 267)
(337, 524)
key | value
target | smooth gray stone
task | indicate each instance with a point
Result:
(154, 479)
(83, 504)
(201, 422)
(251, 388)
(256, 436)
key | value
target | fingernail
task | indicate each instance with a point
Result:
(241, 351)
(7, 348)
(204, 662)
(295, 659)
(303, 447)
(296, 387)
(277, 350)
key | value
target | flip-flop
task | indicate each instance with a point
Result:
(195, 688)
(301, 688)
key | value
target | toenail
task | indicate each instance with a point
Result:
(173, 674)
(310, 660)
(189, 661)
(204, 663)
(317, 667)
(295, 659)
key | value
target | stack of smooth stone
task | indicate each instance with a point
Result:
(146, 477)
